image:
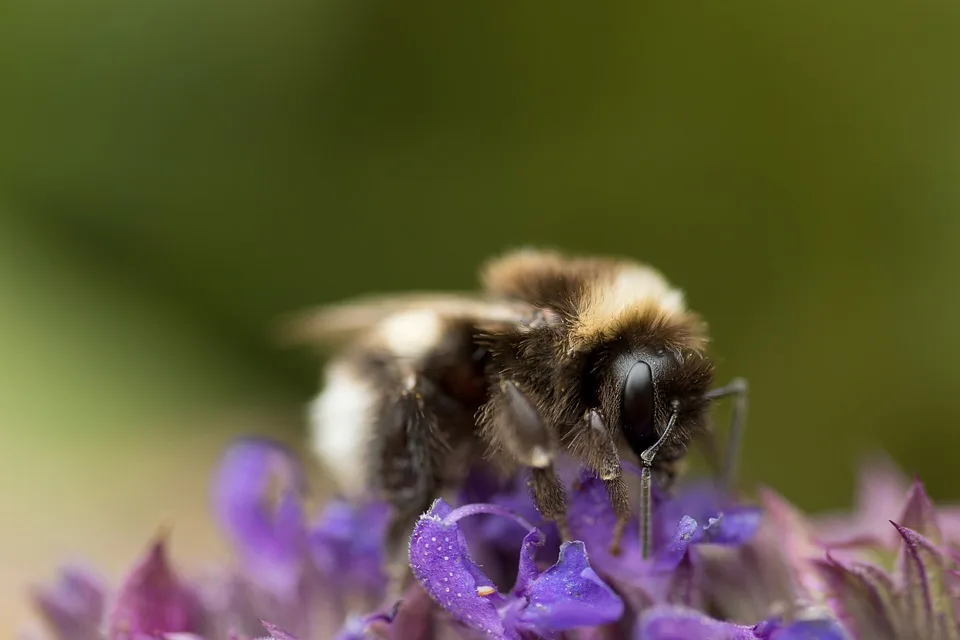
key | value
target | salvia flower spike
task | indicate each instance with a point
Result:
(490, 566)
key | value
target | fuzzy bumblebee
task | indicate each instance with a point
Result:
(598, 357)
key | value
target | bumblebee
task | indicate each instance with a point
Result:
(597, 357)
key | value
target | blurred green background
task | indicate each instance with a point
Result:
(175, 175)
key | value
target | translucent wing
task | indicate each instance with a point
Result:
(332, 324)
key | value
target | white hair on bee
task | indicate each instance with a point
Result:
(411, 334)
(340, 419)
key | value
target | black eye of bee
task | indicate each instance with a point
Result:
(637, 409)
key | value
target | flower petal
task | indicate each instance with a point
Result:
(863, 597)
(821, 629)
(684, 587)
(271, 540)
(568, 595)
(441, 562)
(745, 582)
(528, 572)
(500, 539)
(723, 521)
(415, 617)
(735, 526)
(922, 573)
(346, 542)
(361, 627)
(276, 633)
(687, 532)
(152, 600)
(920, 515)
(641, 581)
(74, 606)
(796, 542)
(592, 520)
(682, 623)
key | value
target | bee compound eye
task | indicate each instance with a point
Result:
(637, 408)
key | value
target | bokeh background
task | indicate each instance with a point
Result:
(175, 175)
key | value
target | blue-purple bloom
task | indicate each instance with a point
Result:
(568, 595)
(489, 566)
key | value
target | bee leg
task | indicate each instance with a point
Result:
(737, 388)
(597, 446)
(512, 421)
(407, 455)
(516, 424)
(550, 498)
(646, 489)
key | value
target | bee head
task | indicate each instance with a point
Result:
(644, 387)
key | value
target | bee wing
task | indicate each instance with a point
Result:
(334, 323)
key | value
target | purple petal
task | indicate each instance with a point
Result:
(74, 605)
(360, 628)
(347, 545)
(822, 629)
(922, 573)
(735, 526)
(687, 532)
(920, 515)
(797, 547)
(569, 595)
(592, 520)
(684, 586)
(682, 623)
(441, 562)
(723, 522)
(863, 597)
(415, 617)
(500, 534)
(152, 600)
(270, 541)
(276, 632)
(746, 582)
(527, 572)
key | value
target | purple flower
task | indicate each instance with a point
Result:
(722, 521)
(567, 595)
(874, 589)
(914, 596)
(671, 574)
(268, 531)
(496, 541)
(346, 543)
(153, 600)
(74, 606)
(682, 623)
(766, 572)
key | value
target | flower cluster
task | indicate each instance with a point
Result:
(490, 567)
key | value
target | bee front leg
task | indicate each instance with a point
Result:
(596, 445)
